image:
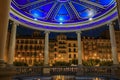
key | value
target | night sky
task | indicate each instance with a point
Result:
(91, 33)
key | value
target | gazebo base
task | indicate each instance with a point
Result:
(7, 73)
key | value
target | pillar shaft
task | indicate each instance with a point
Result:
(118, 9)
(11, 51)
(113, 44)
(79, 48)
(4, 16)
(46, 51)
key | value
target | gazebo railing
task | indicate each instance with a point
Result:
(71, 70)
(29, 71)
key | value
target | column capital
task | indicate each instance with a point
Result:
(78, 32)
(47, 32)
(15, 23)
(111, 24)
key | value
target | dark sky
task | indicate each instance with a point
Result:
(91, 33)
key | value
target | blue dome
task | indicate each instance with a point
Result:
(62, 15)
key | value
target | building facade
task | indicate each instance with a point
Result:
(118, 43)
(30, 49)
(97, 49)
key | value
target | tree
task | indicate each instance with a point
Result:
(74, 61)
(106, 63)
(38, 64)
(20, 63)
(91, 62)
(61, 63)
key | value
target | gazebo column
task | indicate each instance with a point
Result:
(11, 51)
(79, 48)
(5, 74)
(113, 44)
(118, 9)
(46, 49)
(46, 71)
(4, 18)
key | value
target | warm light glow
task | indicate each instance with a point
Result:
(40, 54)
(19, 55)
(93, 57)
(59, 55)
(22, 58)
(95, 54)
(98, 58)
(56, 58)
(86, 57)
(16, 58)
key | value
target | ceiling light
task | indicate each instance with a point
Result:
(60, 19)
(90, 19)
(91, 13)
(35, 19)
(61, 23)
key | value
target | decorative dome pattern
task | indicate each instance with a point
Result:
(59, 15)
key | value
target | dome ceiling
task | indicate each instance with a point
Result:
(63, 15)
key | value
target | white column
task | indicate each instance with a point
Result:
(11, 51)
(4, 16)
(113, 44)
(46, 50)
(118, 9)
(79, 48)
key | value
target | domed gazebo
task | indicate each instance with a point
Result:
(63, 15)
(56, 16)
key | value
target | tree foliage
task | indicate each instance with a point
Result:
(61, 63)
(20, 64)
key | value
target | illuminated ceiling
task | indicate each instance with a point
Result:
(63, 15)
